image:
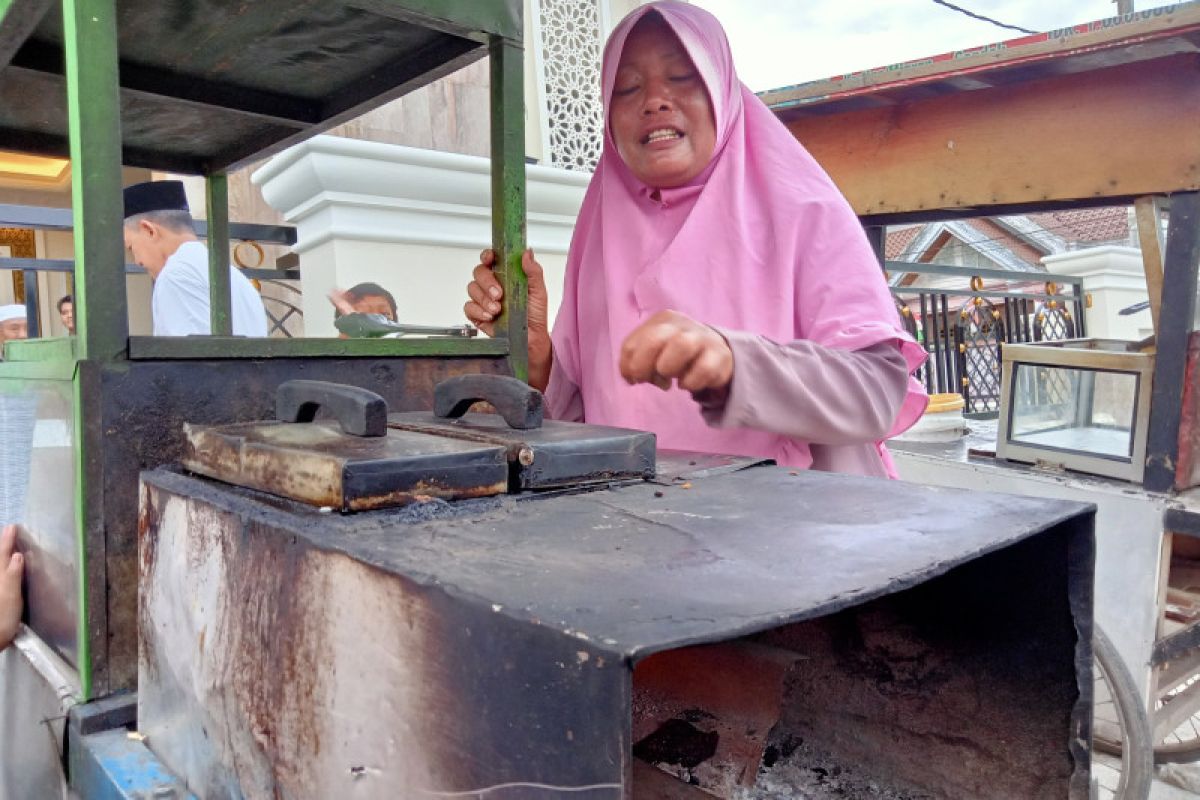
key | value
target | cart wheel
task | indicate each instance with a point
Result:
(1119, 728)
(1181, 746)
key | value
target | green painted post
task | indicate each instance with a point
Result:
(221, 306)
(101, 316)
(85, 515)
(508, 195)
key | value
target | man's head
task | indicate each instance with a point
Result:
(157, 222)
(371, 298)
(66, 312)
(12, 324)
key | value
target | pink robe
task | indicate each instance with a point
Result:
(761, 246)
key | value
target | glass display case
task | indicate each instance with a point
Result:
(1080, 404)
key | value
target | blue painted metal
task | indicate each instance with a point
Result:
(117, 765)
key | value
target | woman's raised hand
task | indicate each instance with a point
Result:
(486, 301)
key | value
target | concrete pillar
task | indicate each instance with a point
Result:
(410, 220)
(1113, 277)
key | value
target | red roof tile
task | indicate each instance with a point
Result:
(898, 240)
(1086, 225)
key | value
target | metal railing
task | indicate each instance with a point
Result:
(963, 327)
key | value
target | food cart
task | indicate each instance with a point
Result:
(230, 596)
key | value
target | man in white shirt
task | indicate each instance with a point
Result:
(160, 234)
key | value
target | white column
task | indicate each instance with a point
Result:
(1114, 278)
(410, 220)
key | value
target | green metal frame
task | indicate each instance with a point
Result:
(215, 347)
(101, 321)
(60, 370)
(220, 298)
(59, 349)
(90, 30)
(102, 336)
(90, 46)
(508, 196)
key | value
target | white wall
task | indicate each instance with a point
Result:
(411, 220)
(1114, 277)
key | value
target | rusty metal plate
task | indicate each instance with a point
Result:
(556, 454)
(317, 464)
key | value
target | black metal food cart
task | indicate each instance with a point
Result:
(508, 616)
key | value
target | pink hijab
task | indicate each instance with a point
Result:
(760, 241)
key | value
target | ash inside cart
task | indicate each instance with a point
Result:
(797, 770)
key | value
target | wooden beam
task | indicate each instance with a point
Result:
(18, 20)
(970, 212)
(1118, 132)
(1154, 246)
(1151, 35)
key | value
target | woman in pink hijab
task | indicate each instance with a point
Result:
(719, 292)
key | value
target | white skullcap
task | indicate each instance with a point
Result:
(13, 311)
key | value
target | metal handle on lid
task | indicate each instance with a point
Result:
(516, 401)
(358, 411)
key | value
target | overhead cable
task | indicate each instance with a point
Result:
(981, 17)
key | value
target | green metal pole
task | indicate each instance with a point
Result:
(101, 316)
(93, 108)
(508, 196)
(221, 305)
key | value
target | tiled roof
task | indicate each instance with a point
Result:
(898, 240)
(1086, 225)
(995, 236)
(989, 238)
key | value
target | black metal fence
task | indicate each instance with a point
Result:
(964, 329)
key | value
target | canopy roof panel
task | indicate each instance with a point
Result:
(207, 85)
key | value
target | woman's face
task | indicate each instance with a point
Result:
(661, 117)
